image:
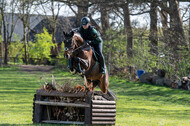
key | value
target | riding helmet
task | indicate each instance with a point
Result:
(85, 20)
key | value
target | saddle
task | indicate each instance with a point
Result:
(87, 48)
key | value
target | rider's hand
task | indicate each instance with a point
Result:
(89, 42)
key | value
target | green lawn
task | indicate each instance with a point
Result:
(138, 105)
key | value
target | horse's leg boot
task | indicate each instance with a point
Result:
(78, 69)
(71, 64)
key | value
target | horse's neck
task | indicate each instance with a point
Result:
(80, 43)
(78, 39)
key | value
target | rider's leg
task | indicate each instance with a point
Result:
(98, 49)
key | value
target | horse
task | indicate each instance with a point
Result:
(85, 62)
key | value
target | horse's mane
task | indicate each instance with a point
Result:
(78, 36)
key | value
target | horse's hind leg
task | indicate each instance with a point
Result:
(95, 83)
(104, 84)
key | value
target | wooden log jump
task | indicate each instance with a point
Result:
(74, 108)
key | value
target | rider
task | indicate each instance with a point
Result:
(93, 38)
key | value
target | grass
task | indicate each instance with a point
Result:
(138, 105)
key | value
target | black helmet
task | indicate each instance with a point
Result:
(85, 20)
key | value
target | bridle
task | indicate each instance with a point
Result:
(74, 46)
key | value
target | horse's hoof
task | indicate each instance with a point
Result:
(73, 72)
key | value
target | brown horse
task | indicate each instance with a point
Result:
(85, 62)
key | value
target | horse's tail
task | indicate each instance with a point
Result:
(112, 94)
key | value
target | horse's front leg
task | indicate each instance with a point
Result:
(78, 66)
(72, 70)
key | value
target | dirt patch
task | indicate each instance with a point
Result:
(32, 68)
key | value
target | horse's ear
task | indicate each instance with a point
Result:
(64, 33)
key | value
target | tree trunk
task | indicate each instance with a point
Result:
(176, 26)
(104, 17)
(153, 37)
(128, 30)
(4, 37)
(82, 11)
(164, 21)
(25, 44)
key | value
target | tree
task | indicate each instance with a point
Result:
(2, 8)
(82, 8)
(176, 32)
(24, 8)
(54, 8)
(128, 29)
(41, 48)
(153, 37)
(104, 10)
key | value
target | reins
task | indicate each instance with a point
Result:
(74, 43)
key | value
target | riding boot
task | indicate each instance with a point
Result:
(102, 64)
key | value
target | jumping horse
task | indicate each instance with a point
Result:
(83, 60)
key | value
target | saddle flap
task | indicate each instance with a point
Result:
(87, 48)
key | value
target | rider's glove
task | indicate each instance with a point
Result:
(89, 42)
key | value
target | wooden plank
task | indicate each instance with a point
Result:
(62, 122)
(103, 114)
(37, 112)
(103, 122)
(104, 106)
(61, 104)
(43, 92)
(103, 102)
(104, 110)
(106, 96)
(103, 118)
(88, 110)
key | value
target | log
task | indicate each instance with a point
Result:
(37, 110)
(103, 122)
(43, 92)
(103, 102)
(106, 96)
(103, 118)
(103, 114)
(61, 104)
(104, 106)
(63, 122)
(104, 110)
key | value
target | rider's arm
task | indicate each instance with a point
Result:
(96, 37)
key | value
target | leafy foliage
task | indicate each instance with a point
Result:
(41, 48)
(15, 48)
(115, 45)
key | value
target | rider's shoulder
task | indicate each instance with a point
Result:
(93, 29)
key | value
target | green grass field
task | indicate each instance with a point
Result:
(138, 104)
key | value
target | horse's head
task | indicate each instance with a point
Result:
(68, 40)
(68, 43)
(72, 41)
